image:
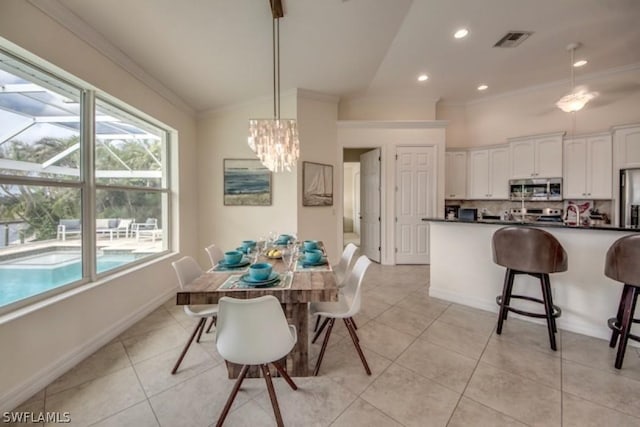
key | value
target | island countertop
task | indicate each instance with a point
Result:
(463, 271)
(605, 227)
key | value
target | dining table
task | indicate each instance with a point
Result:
(299, 285)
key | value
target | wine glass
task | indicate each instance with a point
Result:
(288, 255)
(253, 253)
(261, 245)
(273, 236)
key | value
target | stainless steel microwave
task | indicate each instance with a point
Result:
(535, 189)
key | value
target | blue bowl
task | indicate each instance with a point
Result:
(313, 256)
(310, 244)
(260, 271)
(232, 257)
(246, 244)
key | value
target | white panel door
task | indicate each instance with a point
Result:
(522, 159)
(478, 178)
(415, 200)
(575, 169)
(370, 204)
(356, 202)
(455, 183)
(499, 173)
(600, 167)
(548, 153)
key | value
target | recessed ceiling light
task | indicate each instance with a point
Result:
(580, 63)
(483, 87)
(423, 78)
(461, 33)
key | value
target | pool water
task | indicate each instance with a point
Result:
(25, 277)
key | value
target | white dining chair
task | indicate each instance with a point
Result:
(187, 270)
(341, 270)
(347, 306)
(215, 254)
(254, 332)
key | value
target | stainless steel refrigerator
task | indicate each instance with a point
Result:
(629, 197)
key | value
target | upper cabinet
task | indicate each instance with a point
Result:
(588, 167)
(536, 156)
(455, 184)
(627, 146)
(488, 174)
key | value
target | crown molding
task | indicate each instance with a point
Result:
(72, 22)
(624, 126)
(538, 135)
(317, 96)
(582, 79)
(392, 124)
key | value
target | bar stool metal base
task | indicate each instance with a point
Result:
(621, 324)
(551, 311)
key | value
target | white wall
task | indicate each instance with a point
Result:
(387, 107)
(348, 199)
(317, 116)
(222, 134)
(40, 344)
(533, 111)
(388, 135)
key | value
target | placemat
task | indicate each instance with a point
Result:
(222, 269)
(301, 267)
(233, 283)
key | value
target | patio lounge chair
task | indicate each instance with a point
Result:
(124, 226)
(107, 226)
(148, 228)
(68, 226)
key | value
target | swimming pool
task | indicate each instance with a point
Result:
(24, 277)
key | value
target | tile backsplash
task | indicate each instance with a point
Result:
(496, 207)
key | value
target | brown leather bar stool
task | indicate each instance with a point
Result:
(623, 265)
(524, 250)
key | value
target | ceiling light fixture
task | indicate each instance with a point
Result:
(580, 63)
(483, 87)
(579, 96)
(275, 141)
(461, 33)
(423, 78)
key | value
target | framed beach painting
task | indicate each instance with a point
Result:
(247, 182)
(317, 184)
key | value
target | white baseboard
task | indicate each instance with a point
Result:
(14, 397)
(602, 332)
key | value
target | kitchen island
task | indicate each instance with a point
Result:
(463, 271)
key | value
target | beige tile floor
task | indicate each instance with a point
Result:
(433, 363)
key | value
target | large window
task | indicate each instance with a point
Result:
(84, 186)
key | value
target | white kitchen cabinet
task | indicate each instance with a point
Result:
(588, 167)
(455, 184)
(488, 174)
(627, 146)
(536, 156)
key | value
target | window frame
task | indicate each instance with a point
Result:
(86, 182)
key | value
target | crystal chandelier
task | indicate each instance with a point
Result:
(275, 141)
(578, 97)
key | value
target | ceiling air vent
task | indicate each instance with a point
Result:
(513, 38)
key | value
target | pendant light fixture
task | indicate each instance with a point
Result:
(579, 97)
(275, 141)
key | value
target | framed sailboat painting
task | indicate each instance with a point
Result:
(317, 184)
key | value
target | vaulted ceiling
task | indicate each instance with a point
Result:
(212, 53)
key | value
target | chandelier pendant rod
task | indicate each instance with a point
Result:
(273, 52)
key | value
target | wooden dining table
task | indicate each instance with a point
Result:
(312, 285)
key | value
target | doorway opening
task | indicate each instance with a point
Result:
(361, 193)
